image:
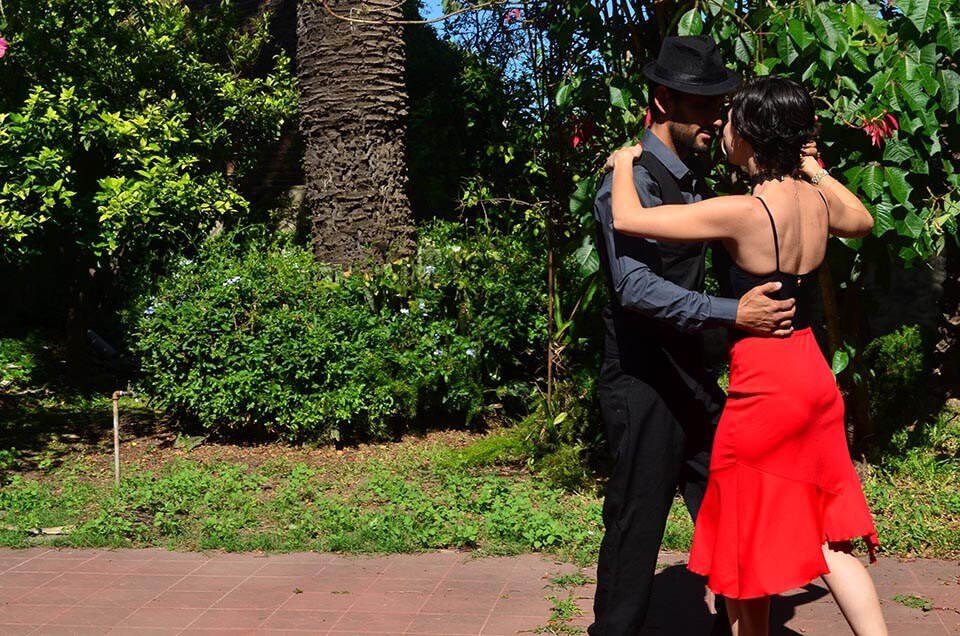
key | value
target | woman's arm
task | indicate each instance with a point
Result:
(717, 218)
(849, 218)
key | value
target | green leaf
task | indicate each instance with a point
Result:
(825, 25)
(910, 125)
(872, 180)
(853, 14)
(620, 97)
(883, 218)
(799, 34)
(786, 49)
(922, 13)
(852, 176)
(691, 23)
(563, 95)
(950, 89)
(897, 180)
(913, 94)
(929, 56)
(907, 68)
(588, 258)
(948, 35)
(928, 80)
(744, 47)
(582, 196)
(853, 244)
(840, 361)
(911, 225)
(896, 150)
(829, 57)
(919, 165)
(858, 58)
(908, 255)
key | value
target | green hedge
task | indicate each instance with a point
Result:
(252, 335)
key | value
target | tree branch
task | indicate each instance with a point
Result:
(483, 5)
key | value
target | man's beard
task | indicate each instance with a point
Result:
(687, 141)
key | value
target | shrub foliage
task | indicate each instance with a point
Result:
(259, 336)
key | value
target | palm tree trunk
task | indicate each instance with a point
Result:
(353, 105)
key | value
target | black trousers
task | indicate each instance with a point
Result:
(660, 432)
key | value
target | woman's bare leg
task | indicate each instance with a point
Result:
(853, 589)
(749, 617)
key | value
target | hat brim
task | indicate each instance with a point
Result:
(711, 89)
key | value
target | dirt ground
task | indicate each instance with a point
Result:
(48, 437)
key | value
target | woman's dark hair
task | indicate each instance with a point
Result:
(776, 116)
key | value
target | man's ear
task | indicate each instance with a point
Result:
(662, 102)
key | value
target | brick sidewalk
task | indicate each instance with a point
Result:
(156, 592)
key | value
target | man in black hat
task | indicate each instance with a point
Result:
(659, 404)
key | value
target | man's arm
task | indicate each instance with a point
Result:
(638, 288)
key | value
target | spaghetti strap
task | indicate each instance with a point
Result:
(776, 241)
(825, 206)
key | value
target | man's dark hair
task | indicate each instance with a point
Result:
(777, 117)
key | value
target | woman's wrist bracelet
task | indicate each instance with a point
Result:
(815, 179)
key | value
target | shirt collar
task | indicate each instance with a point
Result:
(669, 159)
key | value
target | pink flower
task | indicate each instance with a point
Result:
(511, 15)
(880, 128)
(4, 45)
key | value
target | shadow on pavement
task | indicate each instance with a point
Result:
(677, 608)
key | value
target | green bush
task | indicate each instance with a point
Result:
(898, 369)
(18, 362)
(257, 337)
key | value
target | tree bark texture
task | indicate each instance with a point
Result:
(353, 105)
(947, 352)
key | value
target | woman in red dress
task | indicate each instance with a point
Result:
(783, 500)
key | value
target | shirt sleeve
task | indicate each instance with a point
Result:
(636, 286)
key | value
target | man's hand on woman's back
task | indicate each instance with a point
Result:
(760, 314)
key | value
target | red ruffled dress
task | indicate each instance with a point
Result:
(781, 479)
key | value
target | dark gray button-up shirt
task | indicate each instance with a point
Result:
(634, 284)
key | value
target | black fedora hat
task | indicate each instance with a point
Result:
(692, 64)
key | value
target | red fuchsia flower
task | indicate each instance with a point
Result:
(583, 130)
(880, 128)
(4, 45)
(511, 15)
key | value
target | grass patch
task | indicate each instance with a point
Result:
(914, 493)
(564, 581)
(405, 504)
(408, 497)
(914, 602)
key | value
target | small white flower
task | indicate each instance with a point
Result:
(421, 305)
(437, 352)
(455, 248)
(404, 310)
(149, 311)
(471, 353)
(231, 281)
(429, 269)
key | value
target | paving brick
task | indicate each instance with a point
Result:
(154, 592)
